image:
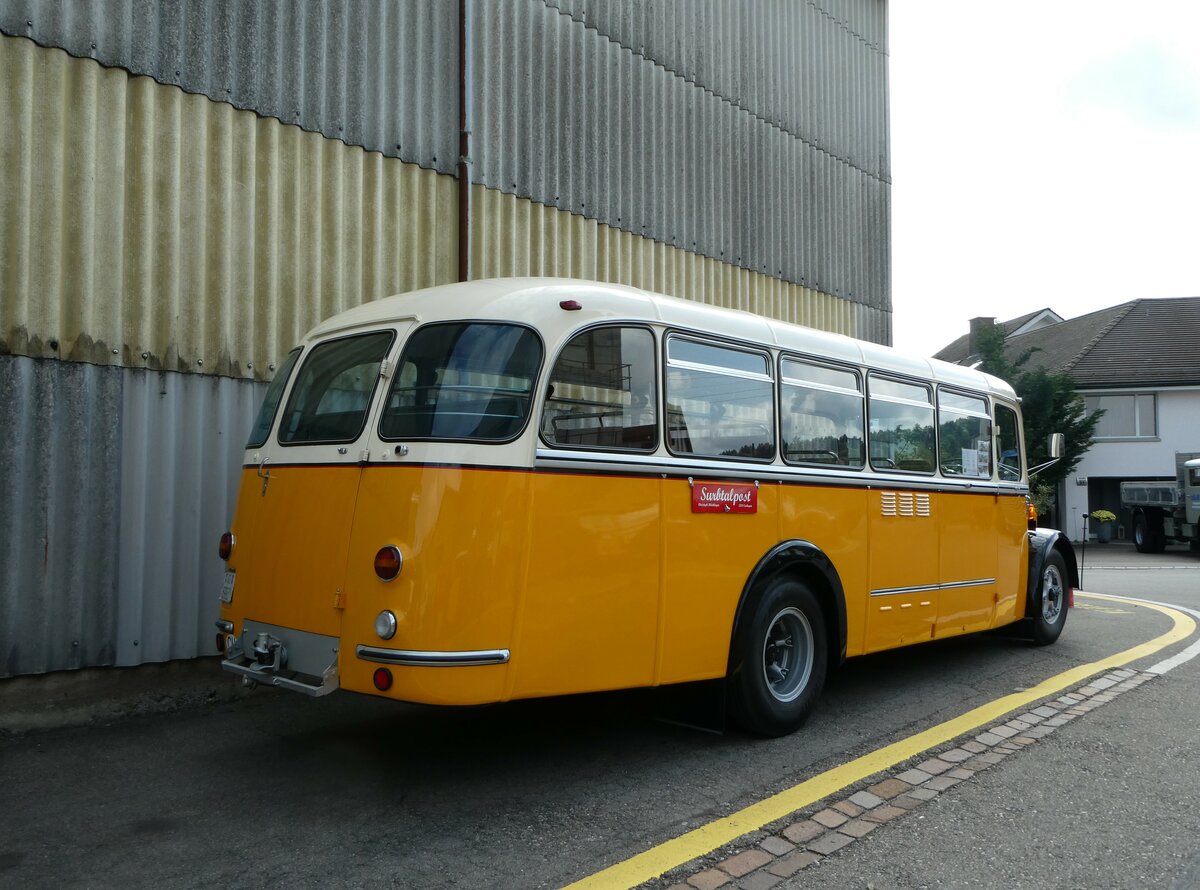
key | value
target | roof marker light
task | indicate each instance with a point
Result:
(570, 305)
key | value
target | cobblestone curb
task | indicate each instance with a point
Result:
(818, 832)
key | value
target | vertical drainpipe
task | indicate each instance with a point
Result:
(465, 52)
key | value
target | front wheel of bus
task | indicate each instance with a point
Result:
(1048, 624)
(779, 660)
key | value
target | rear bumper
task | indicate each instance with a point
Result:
(282, 656)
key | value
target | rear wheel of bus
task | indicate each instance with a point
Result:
(779, 658)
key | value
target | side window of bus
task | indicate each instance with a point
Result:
(964, 435)
(821, 414)
(329, 401)
(266, 411)
(719, 401)
(601, 392)
(901, 426)
(1009, 442)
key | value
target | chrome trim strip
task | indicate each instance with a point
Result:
(432, 659)
(921, 588)
(555, 459)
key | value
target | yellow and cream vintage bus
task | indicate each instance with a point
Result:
(531, 487)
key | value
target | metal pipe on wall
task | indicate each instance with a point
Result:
(465, 51)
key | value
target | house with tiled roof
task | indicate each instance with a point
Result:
(1140, 362)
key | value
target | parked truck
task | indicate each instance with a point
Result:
(1168, 510)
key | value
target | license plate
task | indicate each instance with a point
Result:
(227, 587)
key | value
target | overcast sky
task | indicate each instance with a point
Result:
(1043, 154)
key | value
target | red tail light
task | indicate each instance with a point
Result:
(226, 547)
(383, 679)
(388, 563)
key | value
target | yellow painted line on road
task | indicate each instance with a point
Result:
(703, 840)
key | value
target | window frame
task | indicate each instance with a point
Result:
(986, 414)
(288, 367)
(534, 383)
(657, 377)
(927, 385)
(1137, 436)
(703, 339)
(309, 352)
(831, 365)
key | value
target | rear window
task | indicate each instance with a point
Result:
(266, 411)
(463, 381)
(333, 390)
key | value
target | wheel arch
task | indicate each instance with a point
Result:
(1041, 542)
(806, 561)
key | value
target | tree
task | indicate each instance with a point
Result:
(1049, 403)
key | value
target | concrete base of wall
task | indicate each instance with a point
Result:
(75, 698)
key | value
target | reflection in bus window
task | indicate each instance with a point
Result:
(901, 419)
(1010, 444)
(964, 435)
(330, 398)
(601, 392)
(719, 401)
(822, 415)
(463, 381)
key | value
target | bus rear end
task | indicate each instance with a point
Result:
(365, 547)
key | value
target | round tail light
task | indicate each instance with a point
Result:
(388, 563)
(226, 546)
(383, 679)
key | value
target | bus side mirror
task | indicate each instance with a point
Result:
(1057, 444)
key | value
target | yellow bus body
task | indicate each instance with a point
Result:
(594, 572)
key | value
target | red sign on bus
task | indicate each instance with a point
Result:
(724, 497)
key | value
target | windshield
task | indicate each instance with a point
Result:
(463, 381)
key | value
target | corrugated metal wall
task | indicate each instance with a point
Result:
(189, 186)
(763, 144)
(117, 484)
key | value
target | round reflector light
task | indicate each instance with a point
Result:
(385, 625)
(226, 546)
(220, 644)
(388, 563)
(383, 679)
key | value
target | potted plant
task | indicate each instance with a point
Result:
(1105, 519)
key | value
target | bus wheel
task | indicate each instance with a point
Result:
(1049, 622)
(779, 660)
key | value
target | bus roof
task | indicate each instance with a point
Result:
(538, 299)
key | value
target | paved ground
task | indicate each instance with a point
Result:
(277, 789)
(1093, 789)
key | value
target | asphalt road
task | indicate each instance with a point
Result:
(1108, 801)
(352, 791)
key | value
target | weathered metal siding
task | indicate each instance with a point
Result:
(381, 74)
(513, 236)
(148, 227)
(115, 485)
(201, 217)
(766, 149)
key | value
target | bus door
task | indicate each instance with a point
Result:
(299, 487)
(969, 514)
(904, 570)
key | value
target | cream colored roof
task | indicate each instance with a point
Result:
(536, 301)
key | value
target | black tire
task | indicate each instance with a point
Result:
(1141, 534)
(1048, 624)
(778, 659)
